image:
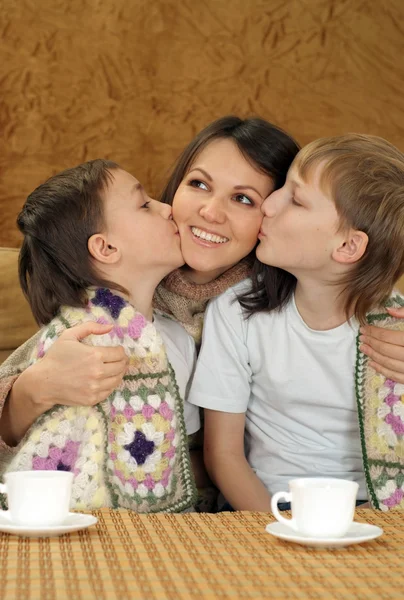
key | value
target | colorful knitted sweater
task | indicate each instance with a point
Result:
(380, 411)
(131, 450)
(381, 421)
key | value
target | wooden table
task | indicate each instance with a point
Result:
(175, 557)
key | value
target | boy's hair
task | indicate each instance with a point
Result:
(267, 147)
(57, 219)
(364, 176)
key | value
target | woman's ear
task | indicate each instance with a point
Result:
(352, 247)
(101, 250)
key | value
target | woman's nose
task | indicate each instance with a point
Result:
(213, 211)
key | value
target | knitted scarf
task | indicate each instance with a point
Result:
(186, 301)
(381, 420)
(130, 450)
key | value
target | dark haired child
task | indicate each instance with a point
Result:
(89, 254)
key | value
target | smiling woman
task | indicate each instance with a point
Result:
(216, 190)
(217, 207)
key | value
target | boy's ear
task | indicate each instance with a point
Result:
(101, 250)
(351, 248)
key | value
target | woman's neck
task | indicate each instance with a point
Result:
(321, 305)
(202, 277)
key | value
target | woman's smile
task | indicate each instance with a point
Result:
(210, 239)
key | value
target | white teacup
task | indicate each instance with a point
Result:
(321, 507)
(38, 498)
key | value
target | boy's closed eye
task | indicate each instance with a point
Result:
(295, 202)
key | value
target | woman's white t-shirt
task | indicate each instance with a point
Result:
(181, 353)
(295, 384)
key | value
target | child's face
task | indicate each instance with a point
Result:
(300, 227)
(141, 228)
(217, 208)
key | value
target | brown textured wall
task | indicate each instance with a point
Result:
(133, 80)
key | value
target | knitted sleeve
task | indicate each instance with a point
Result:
(18, 361)
(10, 369)
(15, 364)
(6, 452)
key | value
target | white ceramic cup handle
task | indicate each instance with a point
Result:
(287, 496)
(3, 490)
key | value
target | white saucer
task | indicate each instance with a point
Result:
(356, 534)
(73, 522)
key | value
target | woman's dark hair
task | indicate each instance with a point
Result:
(265, 146)
(57, 219)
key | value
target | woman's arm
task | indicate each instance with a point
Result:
(385, 348)
(227, 465)
(70, 373)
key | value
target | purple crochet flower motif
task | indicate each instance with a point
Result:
(140, 448)
(108, 300)
(391, 399)
(394, 498)
(396, 423)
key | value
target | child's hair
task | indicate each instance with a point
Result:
(364, 176)
(57, 219)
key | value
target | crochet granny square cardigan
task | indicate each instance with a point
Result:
(381, 420)
(130, 450)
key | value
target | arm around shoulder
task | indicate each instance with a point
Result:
(70, 373)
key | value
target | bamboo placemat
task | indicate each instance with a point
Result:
(175, 557)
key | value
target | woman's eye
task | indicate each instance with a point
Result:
(146, 204)
(198, 184)
(295, 202)
(243, 199)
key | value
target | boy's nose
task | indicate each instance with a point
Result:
(268, 207)
(165, 210)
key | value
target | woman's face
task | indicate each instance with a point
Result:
(217, 208)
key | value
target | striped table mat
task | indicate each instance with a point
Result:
(175, 557)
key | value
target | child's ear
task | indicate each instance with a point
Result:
(351, 248)
(101, 250)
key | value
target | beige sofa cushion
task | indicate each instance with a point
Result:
(16, 321)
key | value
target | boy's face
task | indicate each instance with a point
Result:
(299, 231)
(141, 228)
